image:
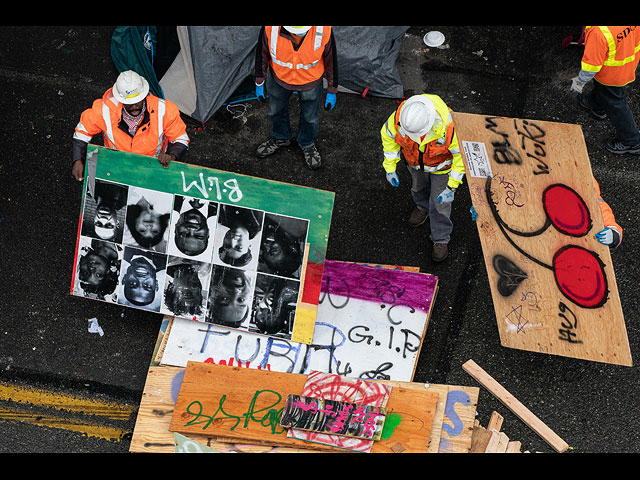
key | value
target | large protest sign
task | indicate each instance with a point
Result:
(208, 245)
(371, 322)
(553, 285)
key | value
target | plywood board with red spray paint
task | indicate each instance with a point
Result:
(552, 283)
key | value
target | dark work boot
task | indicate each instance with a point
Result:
(418, 217)
(439, 252)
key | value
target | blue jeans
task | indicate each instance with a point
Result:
(279, 112)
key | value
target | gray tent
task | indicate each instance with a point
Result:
(214, 61)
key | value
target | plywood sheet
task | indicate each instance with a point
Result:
(197, 243)
(552, 283)
(244, 404)
(370, 323)
(451, 429)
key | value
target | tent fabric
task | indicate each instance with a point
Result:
(367, 59)
(179, 83)
(132, 48)
(215, 63)
(222, 58)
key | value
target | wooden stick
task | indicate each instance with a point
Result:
(495, 421)
(515, 406)
(513, 447)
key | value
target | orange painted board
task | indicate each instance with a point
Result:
(246, 404)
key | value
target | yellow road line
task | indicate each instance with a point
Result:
(28, 396)
(72, 424)
(62, 401)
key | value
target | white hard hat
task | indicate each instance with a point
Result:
(417, 116)
(297, 30)
(130, 88)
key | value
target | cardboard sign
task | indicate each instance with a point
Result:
(333, 417)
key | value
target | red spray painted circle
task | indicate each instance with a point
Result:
(580, 276)
(566, 210)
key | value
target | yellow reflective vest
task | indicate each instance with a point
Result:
(392, 142)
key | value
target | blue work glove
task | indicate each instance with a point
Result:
(260, 92)
(392, 178)
(474, 214)
(330, 101)
(605, 236)
(446, 196)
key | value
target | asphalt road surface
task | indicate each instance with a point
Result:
(50, 74)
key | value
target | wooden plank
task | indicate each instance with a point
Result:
(480, 439)
(492, 444)
(515, 406)
(495, 421)
(513, 447)
(414, 409)
(244, 404)
(503, 441)
(452, 428)
(151, 433)
(553, 285)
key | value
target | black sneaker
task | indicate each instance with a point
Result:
(270, 146)
(582, 101)
(619, 148)
(312, 157)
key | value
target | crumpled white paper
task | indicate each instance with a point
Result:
(94, 327)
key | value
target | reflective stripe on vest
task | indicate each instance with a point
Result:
(80, 133)
(436, 155)
(108, 134)
(161, 110)
(273, 45)
(300, 65)
(615, 71)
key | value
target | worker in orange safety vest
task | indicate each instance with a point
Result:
(610, 58)
(295, 59)
(131, 120)
(611, 234)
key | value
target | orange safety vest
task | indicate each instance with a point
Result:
(164, 125)
(608, 218)
(433, 155)
(302, 65)
(613, 53)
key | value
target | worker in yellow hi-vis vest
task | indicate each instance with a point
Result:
(421, 133)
